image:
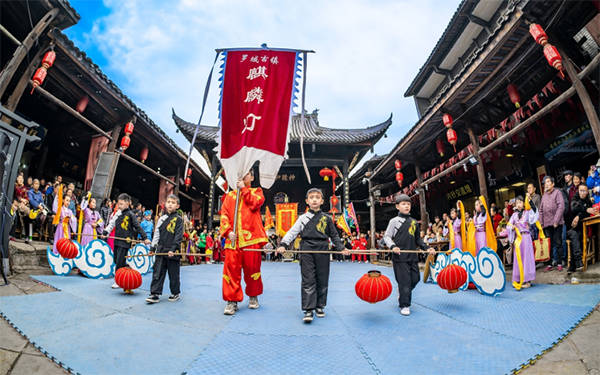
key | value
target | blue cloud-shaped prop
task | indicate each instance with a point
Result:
(485, 270)
(60, 266)
(141, 264)
(95, 260)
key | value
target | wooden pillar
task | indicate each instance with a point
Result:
(211, 193)
(346, 200)
(480, 166)
(177, 178)
(373, 217)
(422, 201)
(588, 106)
(21, 51)
(115, 137)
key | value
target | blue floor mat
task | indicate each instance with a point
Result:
(93, 329)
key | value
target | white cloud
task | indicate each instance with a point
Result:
(368, 52)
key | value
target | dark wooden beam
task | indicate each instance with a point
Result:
(144, 166)
(422, 201)
(480, 165)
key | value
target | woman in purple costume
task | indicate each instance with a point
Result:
(455, 222)
(71, 225)
(480, 220)
(523, 219)
(93, 222)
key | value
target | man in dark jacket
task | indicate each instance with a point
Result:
(581, 207)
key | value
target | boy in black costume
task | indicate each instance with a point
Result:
(316, 229)
(403, 234)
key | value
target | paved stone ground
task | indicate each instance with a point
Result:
(578, 353)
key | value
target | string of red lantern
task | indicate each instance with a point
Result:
(399, 175)
(40, 74)
(550, 52)
(126, 141)
(188, 179)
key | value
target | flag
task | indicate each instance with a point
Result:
(286, 214)
(258, 87)
(342, 224)
(268, 219)
(352, 216)
(98, 145)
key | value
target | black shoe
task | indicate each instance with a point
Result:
(173, 297)
(308, 316)
(153, 298)
(320, 313)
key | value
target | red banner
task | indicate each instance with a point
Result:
(255, 112)
(98, 145)
(286, 214)
(196, 211)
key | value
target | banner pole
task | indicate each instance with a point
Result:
(304, 57)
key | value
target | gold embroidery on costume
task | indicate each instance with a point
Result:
(255, 276)
(125, 223)
(322, 224)
(413, 228)
(227, 279)
(171, 226)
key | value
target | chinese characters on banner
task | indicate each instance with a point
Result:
(286, 214)
(256, 106)
(459, 192)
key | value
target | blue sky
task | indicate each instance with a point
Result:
(159, 52)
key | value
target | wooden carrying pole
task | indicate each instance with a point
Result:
(367, 252)
(166, 254)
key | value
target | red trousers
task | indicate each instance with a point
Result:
(236, 261)
(363, 256)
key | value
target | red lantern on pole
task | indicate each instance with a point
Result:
(189, 172)
(42, 72)
(399, 178)
(439, 145)
(144, 155)
(553, 56)
(125, 141)
(538, 33)
(188, 182)
(513, 93)
(452, 138)
(67, 248)
(326, 173)
(447, 120)
(129, 128)
(48, 59)
(128, 279)
(398, 164)
(452, 277)
(373, 287)
(82, 104)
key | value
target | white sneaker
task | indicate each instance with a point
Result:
(366, 261)
(231, 308)
(405, 311)
(253, 304)
(115, 286)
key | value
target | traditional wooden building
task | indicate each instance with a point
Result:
(499, 147)
(339, 149)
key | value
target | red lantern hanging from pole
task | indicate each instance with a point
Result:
(452, 138)
(553, 57)
(42, 72)
(128, 279)
(398, 164)
(447, 118)
(325, 173)
(129, 128)
(513, 93)
(373, 287)
(125, 141)
(538, 33)
(188, 182)
(189, 172)
(439, 145)
(144, 155)
(82, 104)
(399, 178)
(452, 277)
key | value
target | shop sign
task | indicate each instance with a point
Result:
(459, 192)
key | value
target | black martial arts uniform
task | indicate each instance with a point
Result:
(316, 229)
(126, 225)
(403, 232)
(167, 237)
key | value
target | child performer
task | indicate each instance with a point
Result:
(127, 227)
(147, 224)
(167, 238)
(457, 227)
(66, 222)
(402, 233)
(482, 234)
(522, 219)
(356, 245)
(316, 229)
(249, 234)
(93, 222)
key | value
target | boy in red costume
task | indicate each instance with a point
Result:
(249, 234)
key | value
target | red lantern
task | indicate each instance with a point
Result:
(125, 141)
(399, 178)
(447, 120)
(398, 165)
(189, 172)
(553, 56)
(188, 182)
(82, 104)
(129, 128)
(439, 145)
(513, 93)
(39, 77)
(144, 154)
(128, 279)
(452, 277)
(452, 138)
(48, 59)
(538, 33)
(67, 248)
(373, 287)
(325, 173)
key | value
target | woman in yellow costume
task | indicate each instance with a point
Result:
(481, 231)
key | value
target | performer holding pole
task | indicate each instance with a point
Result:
(241, 224)
(316, 229)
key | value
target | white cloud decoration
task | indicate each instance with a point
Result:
(60, 266)
(96, 260)
(485, 270)
(141, 264)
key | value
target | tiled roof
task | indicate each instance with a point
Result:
(312, 131)
(94, 69)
